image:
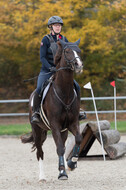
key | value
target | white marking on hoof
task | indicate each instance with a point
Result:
(74, 159)
(41, 171)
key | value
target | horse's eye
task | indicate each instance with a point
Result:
(67, 51)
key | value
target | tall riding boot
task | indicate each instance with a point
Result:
(82, 114)
(36, 104)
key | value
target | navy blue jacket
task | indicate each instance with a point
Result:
(44, 49)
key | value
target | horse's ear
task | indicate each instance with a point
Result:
(59, 44)
(59, 47)
(77, 42)
(62, 43)
(58, 53)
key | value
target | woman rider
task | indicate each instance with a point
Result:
(47, 52)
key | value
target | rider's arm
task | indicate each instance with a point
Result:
(43, 51)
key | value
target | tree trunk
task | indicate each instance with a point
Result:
(116, 150)
(104, 125)
(109, 137)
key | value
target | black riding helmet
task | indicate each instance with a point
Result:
(55, 19)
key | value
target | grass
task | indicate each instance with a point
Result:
(15, 129)
(20, 129)
(121, 126)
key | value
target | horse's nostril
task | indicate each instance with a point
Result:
(77, 64)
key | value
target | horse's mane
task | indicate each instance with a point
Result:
(58, 53)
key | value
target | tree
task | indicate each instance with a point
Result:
(99, 24)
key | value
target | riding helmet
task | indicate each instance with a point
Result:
(55, 19)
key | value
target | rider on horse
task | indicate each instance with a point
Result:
(47, 52)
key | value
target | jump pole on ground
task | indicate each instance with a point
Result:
(88, 86)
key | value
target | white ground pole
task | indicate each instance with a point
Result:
(115, 107)
(88, 86)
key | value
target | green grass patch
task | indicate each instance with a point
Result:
(121, 126)
(20, 129)
(15, 129)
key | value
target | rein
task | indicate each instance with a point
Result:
(61, 68)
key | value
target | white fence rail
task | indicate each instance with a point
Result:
(82, 99)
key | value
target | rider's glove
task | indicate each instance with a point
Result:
(52, 69)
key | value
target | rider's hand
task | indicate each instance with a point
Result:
(53, 69)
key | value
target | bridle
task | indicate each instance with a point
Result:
(69, 65)
(73, 61)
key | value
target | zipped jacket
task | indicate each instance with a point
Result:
(48, 50)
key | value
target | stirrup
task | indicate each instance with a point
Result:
(82, 115)
(35, 117)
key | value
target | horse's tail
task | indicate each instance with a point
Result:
(27, 139)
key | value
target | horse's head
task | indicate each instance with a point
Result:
(71, 53)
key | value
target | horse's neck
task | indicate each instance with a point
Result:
(64, 78)
(64, 83)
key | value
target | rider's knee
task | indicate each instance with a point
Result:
(77, 87)
(38, 90)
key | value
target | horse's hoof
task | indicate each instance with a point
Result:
(71, 165)
(42, 180)
(63, 175)
(69, 169)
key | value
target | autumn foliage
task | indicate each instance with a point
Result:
(100, 25)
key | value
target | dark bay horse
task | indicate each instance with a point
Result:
(61, 106)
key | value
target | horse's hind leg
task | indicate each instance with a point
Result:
(39, 136)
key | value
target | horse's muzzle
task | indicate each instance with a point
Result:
(78, 68)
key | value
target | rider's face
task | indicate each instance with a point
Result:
(57, 27)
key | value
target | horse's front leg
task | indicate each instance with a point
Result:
(60, 151)
(72, 163)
